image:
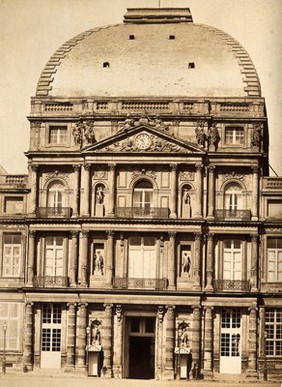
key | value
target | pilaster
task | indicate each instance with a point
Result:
(85, 190)
(112, 179)
(169, 343)
(252, 342)
(255, 193)
(81, 323)
(76, 169)
(254, 263)
(197, 261)
(73, 261)
(107, 340)
(83, 253)
(28, 337)
(171, 261)
(211, 192)
(196, 339)
(173, 190)
(208, 370)
(210, 262)
(31, 257)
(117, 359)
(199, 190)
(110, 258)
(70, 362)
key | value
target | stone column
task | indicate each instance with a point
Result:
(33, 188)
(117, 361)
(70, 362)
(28, 336)
(173, 190)
(169, 343)
(252, 341)
(74, 257)
(208, 373)
(81, 323)
(110, 258)
(211, 192)
(83, 253)
(107, 340)
(112, 179)
(23, 254)
(196, 339)
(159, 343)
(76, 189)
(255, 202)
(31, 257)
(210, 262)
(197, 261)
(199, 190)
(85, 190)
(171, 261)
(254, 263)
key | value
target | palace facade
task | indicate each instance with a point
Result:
(146, 239)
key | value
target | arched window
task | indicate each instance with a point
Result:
(233, 197)
(143, 194)
(55, 195)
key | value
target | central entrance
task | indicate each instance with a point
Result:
(141, 342)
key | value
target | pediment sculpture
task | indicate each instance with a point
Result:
(83, 133)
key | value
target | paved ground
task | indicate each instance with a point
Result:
(43, 380)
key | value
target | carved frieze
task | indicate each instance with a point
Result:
(234, 175)
(56, 174)
(100, 175)
(186, 175)
(143, 171)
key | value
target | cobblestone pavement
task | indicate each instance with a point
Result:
(43, 380)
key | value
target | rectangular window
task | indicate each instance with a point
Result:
(54, 256)
(230, 333)
(274, 259)
(142, 257)
(13, 205)
(51, 328)
(232, 260)
(273, 328)
(11, 314)
(234, 136)
(58, 135)
(11, 255)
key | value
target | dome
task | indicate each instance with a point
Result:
(155, 52)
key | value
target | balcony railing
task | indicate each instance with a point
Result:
(231, 285)
(140, 283)
(52, 212)
(137, 212)
(232, 214)
(49, 281)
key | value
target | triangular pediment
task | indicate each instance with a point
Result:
(143, 139)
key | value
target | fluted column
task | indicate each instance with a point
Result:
(81, 323)
(112, 179)
(255, 203)
(159, 342)
(171, 261)
(74, 258)
(210, 262)
(85, 190)
(252, 341)
(70, 362)
(208, 342)
(76, 169)
(28, 336)
(196, 338)
(107, 340)
(31, 257)
(254, 263)
(117, 361)
(110, 258)
(33, 188)
(83, 252)
(23, 254)
(199, 190)
(197, 261)
(173, 190)
(211, 192)
(169, 343)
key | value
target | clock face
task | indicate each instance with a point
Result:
(142, 141)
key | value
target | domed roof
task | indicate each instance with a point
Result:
(157, 52)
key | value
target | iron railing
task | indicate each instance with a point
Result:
(231, 285)
(232, 214)
(137, 212)
(140, 283)
(50, 281)
(53, 212)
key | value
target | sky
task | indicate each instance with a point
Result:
(32, 30)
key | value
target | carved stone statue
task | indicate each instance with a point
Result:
(186, 204)
(99, 263)
(186, 263)
(99, 195)
(95, 333)
(83, 133)
(213, 137)
(128, 123)
(183, 335)
(257, 136)
(200, 134)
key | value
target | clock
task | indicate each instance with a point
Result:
(143, 141)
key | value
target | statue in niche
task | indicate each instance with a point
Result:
(100, 195)
(183, 335)
(95, 333)
(98, 263)
(213, 137)
(186, 204)
(99, 201)
(186, 263)
(200, 134)
(257, 136)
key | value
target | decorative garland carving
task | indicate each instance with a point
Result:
(56, 174)
(143, 171)
(233, 175)
(155, 122)
(83, 133)
(100, 175)
(186, 175)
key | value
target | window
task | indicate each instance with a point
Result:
(58, 135)
(143, 194)
(13, 205)
(234, 136)
(51, 328)
(232, 197)
(54, 256)
(230, 333)
(232, 260)
(142, 257)
(273, 328)
(274, 259)
(55, 196)
(11, 314)
(11, 255)
(274, 209)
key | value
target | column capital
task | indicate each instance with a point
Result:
(197, 236)
(252, 308)
(211, 168)
(255, 169)
(33, 167)
(255, 237)
(173, 166)
(84, 234)
(74, 234)
(76, 167)
(170, 307)
(160, 313)
(210, 236)
(110, 234)
(172, 234)
(112, 166)
(87, 166)
(29, 303)
(208, 307)
(31, 233)
(199, 167)
(69, 304)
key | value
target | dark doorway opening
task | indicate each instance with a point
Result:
(142, 357)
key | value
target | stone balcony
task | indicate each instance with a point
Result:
(53, 212)
(233, 215)
(140, 283)
(137, 212)
(50, 281)
(231, 285)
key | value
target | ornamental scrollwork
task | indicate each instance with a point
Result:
(186, 175)
(233, 175)
(143, 171)
(56, 174)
